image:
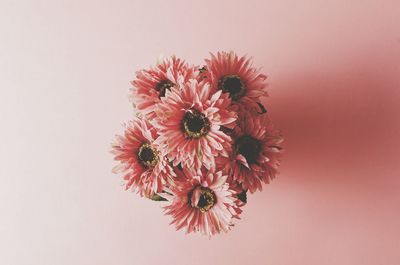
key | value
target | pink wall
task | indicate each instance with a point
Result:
(334, 70)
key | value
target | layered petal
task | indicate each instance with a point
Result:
(203, 203)
(236, 76)
(141, 160)
(151, 84)
(256, 151)
(189, 121)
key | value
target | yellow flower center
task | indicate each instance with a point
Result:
(195, 124)
(147, 155)
(207, 199)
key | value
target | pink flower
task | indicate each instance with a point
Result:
(189, 121)
(256, 151)
(199, 142)
(203, 203)
(224, 164)
(144, 164)
(236, 77)
(151, 85)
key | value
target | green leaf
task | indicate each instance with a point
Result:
(203, 69)
(262, 108)
(243, 196)
(157, 198)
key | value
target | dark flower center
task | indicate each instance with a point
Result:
(163, 86)
(242, 196)
(207, 199)
(147, 155)
(233, 85)
(249, 147)
(195, 124)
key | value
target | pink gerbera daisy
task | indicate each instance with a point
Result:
(144, 164)
(189, 122)
(203, 202)
(151, 85)
(256, 151)
(236, 77)
(223, 164)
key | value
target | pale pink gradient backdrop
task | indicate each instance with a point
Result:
(334, 69)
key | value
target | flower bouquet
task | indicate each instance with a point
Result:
(201, 140)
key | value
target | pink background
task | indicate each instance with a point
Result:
(334, 70)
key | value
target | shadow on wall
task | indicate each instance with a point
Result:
(341, 119)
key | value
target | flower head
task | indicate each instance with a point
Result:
(236, 77)
(189, 121)
(201, 142)
(256, 151)
(142, 161)
(203, 202)
(150, 85)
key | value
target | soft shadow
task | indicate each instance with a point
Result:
(344, 119)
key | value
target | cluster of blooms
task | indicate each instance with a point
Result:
(201, 140)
